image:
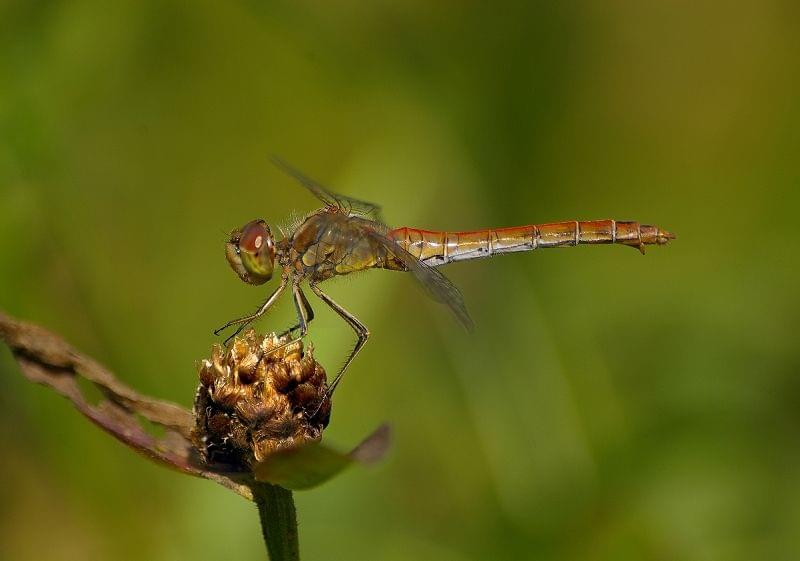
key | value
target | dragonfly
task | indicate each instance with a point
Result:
(348, 235)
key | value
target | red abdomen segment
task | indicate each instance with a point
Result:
(440, 248)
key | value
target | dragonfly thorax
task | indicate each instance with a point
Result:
(251, 252)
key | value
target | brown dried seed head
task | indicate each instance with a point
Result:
(252, 401)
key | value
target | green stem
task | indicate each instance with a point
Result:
(278, 521)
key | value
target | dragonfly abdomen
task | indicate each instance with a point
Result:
(439, 248)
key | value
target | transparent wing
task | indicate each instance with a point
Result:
(435, 283)
(355, 206)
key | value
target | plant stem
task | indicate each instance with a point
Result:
(278, 521)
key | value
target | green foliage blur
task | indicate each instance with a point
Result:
(609, 406)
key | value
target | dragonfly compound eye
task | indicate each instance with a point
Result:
(251, 252)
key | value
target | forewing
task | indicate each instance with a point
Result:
(435, 283)
(355, 206)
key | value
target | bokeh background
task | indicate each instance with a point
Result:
(609, 406)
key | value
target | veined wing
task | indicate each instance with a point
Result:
(355, 206)
(435, 283)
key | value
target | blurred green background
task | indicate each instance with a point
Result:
(609, 406)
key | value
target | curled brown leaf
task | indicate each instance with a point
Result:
(45, 358)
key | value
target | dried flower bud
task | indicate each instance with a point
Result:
(254, 400)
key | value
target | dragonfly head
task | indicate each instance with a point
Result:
(251, 252)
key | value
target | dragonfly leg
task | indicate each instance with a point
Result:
(247, 320)
(361, 332)
(309, 311)
(304, 315)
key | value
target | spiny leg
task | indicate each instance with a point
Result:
(361, 332)
(247, 320)
(308, 309)
(302, 308)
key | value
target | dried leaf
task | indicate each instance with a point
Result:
(47, 359)
(310, 465)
